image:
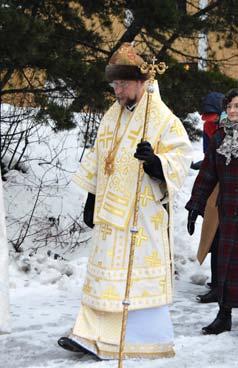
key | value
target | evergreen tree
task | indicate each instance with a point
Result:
(52, 37)
(70, 42)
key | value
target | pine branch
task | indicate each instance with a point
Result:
(7, 76)
(167, 44)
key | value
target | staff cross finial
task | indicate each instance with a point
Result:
(154, 59)
(153, 68)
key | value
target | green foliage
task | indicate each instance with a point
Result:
(155, 13)
(183, 90)
(51, 36)
(191, 124)
(55, 37)
(60, 117)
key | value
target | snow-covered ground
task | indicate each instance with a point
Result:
(43, 313)
(45, 292)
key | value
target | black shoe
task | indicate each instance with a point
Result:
(210, 297)
(222, 323)
(71, 345)
(68, 344)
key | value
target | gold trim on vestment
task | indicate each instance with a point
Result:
(109, 213)
(100, 332)
(108, 260)
(84, 185)
(135, 351)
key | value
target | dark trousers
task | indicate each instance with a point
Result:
(214, 251)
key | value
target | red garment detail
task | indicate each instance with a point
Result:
(210, 123)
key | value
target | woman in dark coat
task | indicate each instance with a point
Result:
(220, 165)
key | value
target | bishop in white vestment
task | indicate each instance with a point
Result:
(109, 173)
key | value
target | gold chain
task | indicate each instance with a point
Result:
(109, 160)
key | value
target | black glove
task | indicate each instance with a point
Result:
(89, 210)
(192, 217)
(152, 164)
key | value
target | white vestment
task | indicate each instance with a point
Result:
(4, 291)
(105, 281)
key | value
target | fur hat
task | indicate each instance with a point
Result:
(125, 64)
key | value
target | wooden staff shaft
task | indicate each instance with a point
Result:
(134, 232)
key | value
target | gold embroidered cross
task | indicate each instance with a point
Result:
(162, 148)
(110, 293)
(157, 219)
(153, 260)
(173, 175)
(145, 196)
(133, 135)
(140, 236)
(87, 287)
(145, 294)
(177, 128)
(105, 137)
(105, 230)
(90, 175)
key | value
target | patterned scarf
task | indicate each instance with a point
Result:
(229, 145)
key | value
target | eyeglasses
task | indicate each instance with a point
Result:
(121, 84)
